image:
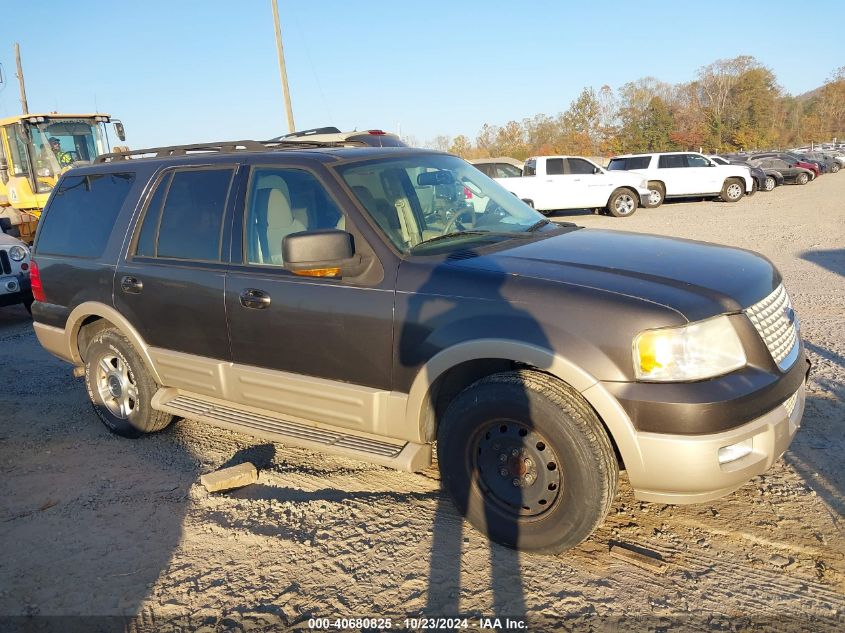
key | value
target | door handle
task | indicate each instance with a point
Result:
(255, 299)
(132, 285)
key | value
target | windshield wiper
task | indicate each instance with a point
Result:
(485, 233)
(538, 224)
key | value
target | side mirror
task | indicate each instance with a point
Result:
(324, 253)
(119, 130)
(5, 225)
(596, 170)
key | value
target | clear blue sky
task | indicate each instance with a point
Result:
(185, 70)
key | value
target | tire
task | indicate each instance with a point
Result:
(554, 447)
(802, 179)
(771, 183)
(732, 190)
(622, 203)
(112, 366)
(834, 169)
(658, 195)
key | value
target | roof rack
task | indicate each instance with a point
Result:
(222, 147)
(312, 131)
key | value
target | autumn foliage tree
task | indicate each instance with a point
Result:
(732, 104)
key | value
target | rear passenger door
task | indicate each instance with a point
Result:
(171, 280)
(672, 170)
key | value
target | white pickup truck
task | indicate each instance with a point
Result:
(549, 183)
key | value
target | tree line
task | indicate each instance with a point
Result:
(732, 104)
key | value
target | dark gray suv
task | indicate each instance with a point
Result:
(372, 302)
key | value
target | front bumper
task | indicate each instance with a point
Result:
(15, 289)
(644, 195)
(685, 468)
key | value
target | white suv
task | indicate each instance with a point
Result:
(14, 272)
(683, 174)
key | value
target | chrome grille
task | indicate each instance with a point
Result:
(777, 324)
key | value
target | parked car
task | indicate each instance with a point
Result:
(686, 174)
(830, 164)
(373, 138)
(309, 296)
(502, 167)
(757, 174)
(792, 159)
(790, 171)
(14, 272)
(551, 183)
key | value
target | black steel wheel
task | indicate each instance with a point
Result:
(526, 461)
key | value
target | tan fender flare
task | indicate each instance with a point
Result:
(94, 308)
(614, 417)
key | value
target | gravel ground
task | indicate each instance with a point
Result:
(95, 525)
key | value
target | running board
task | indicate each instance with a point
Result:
(408, 456)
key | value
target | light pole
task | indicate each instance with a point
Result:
(282, 69)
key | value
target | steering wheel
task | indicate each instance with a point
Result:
(453, 221)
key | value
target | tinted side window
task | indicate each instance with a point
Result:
(486, 168)
(632, 162)
(192, 216)
(671, 161)
(554, 166)
(282, 202)
(504, 170)
(146, 246)
(580, 166)
(697, 161)
(81, 214)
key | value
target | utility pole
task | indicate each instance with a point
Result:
(20, 78)
(282, 69)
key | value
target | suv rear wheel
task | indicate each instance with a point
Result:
(526, 461)
(120, 387)
(622, 203)
(732, 190)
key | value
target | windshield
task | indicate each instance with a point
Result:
(60, 144)
(430, 199)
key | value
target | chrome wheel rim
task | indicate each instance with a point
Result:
(770, 184)
(734, 191)
(654, 197)
(116, 386)
(516, 468)
(624, 205)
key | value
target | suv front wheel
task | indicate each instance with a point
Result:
(732, 190)
(120, 387)
(526, 461)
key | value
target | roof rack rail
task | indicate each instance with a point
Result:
(222, 147)
(316, 130)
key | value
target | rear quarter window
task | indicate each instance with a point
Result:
(81, 214)
(629, 163)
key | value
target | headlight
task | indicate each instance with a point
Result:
(17, 253)
(692, 352)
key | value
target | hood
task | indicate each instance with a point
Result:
(8, 240)
(696, 279)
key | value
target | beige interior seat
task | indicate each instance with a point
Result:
(280, 224)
